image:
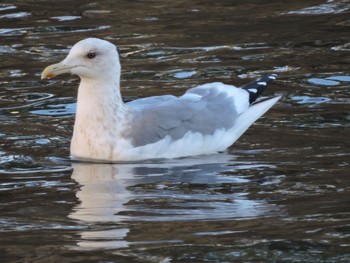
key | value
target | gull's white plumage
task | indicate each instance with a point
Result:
(106, 129)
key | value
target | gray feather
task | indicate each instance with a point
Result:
(200, 110)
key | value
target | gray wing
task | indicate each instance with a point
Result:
(200, 110)
(144, 103)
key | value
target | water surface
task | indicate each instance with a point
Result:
(280, 194)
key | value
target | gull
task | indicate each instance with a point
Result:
(206, 119)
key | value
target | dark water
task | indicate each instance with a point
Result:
(280, 194)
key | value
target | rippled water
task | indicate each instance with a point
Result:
(280, 194)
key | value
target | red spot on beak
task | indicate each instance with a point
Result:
(50, 76)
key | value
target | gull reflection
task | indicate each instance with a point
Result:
(103, 191)
(102, 196)
(112, 196)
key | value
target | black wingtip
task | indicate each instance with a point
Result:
(257, 87)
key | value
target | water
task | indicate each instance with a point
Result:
(280, 194)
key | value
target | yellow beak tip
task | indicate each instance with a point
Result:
(54, 70)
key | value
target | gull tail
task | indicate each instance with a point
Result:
(257, 87)
(254, 112)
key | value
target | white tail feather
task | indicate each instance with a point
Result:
(254, 112)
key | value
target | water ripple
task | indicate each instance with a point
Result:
(329, 8)
(310, 100)
(66, 18)
(4, 7)
(333, 80)
(15, 15)
(56, 108)
(25, 100)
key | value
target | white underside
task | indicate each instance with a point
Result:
(189, 145)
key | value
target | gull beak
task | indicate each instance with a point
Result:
(54, 70)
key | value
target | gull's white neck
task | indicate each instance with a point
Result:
(101, 118)
(99, 98)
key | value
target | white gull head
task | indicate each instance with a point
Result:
(89, 58)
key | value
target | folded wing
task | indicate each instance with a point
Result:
(203, 109)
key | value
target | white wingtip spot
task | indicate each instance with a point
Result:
(253, 90)
(272, 77)
(263, 83)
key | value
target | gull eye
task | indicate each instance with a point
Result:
(91, 55)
